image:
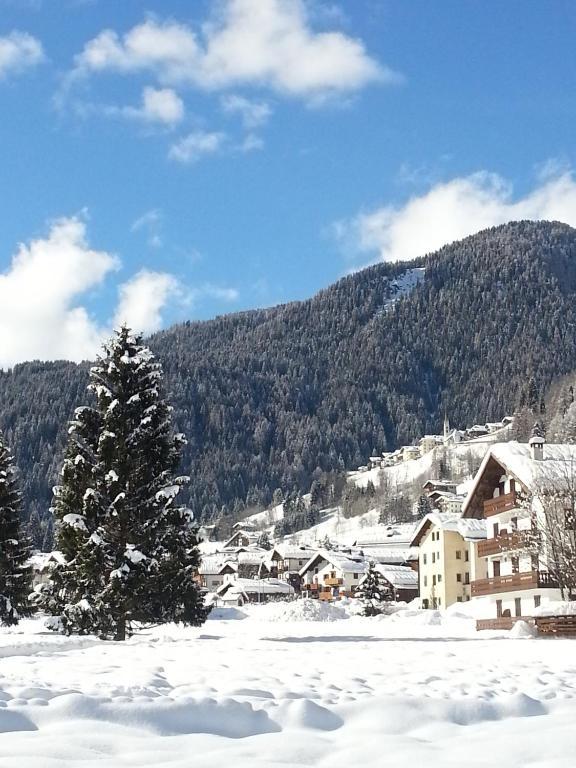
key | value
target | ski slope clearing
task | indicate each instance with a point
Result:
(289, 685)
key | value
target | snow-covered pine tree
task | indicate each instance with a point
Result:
(373, 591)
(15, 575)
(264, 541)
(423, 507)
(130, 550)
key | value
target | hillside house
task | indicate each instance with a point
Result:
(242, 538)
(448, 502)
(448, 558)
(410, 452)
(330, 575)
(506, 497)
(428, 443)
(442, 486)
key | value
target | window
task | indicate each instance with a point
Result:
(433, 557)
(537, 601)
(458, 599)
(458, 555)
(425, 581)
(439, 578)
(466, 578)
(438, 556)
(498, 608)
(466, 556)
(439, 601)
(515, 568)
(300, 563)
(495, 529)
(434, 580)
(355, 575)
(458, 577)
(424, 559)
(518, 606)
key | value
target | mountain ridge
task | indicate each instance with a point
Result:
(273, 398)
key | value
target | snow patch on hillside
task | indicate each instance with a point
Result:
(403, 285)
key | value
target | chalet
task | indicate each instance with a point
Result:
(238, 592)
(41, 564)
(505, 496)
(448, 558)
(252, 563)
(374, 462)
(402, 581)
(286, 560)
(448, 502)
(330, 575)
(446, 486)
(212, 571)
(242, 538)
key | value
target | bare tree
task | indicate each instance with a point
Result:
(552, 538)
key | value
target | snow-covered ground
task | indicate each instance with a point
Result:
(289, 685)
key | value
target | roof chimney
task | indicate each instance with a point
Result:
(536, 442)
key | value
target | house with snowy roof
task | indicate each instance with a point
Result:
(286, 560)
(507, 496)
(448, 558)
(41, 564)
(238, 592)
(242, 538)
(402, 581)
(429, 442)
(329, 575)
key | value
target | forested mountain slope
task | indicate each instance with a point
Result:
(271, 397)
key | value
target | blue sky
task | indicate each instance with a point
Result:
(168, 160)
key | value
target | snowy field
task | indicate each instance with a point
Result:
(272, 686)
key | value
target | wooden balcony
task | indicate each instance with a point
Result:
(500, 504)
(311, 587)
(326, 595)
(512, 583)
(504, 542)
(330, 582)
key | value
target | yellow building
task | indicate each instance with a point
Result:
(448, 558)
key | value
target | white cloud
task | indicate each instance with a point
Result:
(19, 51)
(39, 317)
(268, 43)
(150, 223)
(161, 105)
(196, 145)
(215, 292)
(252, 113)
(41, 294)
(142, 299)
(454, 209)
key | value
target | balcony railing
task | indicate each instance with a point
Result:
(513, 583)
(504, 542)
(332, 582)
(500, 504)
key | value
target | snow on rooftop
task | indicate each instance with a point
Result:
(400, 577)
(557, 469)
(468, 528)
(257, 586)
